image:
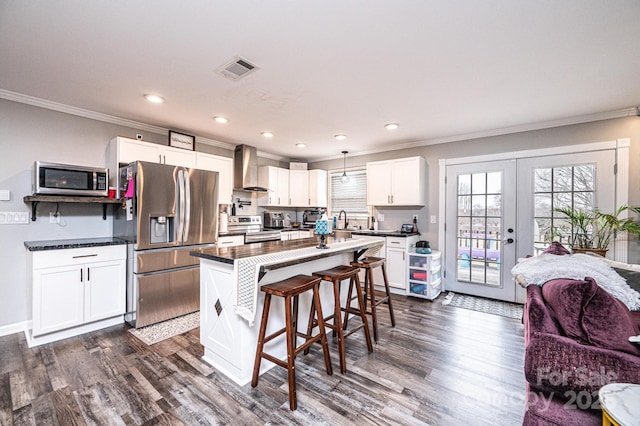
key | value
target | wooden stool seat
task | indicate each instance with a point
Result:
(368, 264)
(336, 275)
(290, 289)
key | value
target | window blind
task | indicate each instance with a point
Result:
(351, 196)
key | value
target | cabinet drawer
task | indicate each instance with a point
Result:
(397, 242)
(77, 256)
(230, 241)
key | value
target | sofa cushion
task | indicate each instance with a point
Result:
(556, 248)
(566, 299)
(590, 315)
(608, 323)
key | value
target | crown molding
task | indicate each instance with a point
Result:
(68, 109)
(80, 112)
(607, 115)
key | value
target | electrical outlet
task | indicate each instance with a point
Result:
(380, 217)
(53, 218)
(433, 219)
(415, 217)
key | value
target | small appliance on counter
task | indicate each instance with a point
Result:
(273, 220)
(422, 247)
(309, 217)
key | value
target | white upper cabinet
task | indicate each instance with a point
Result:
(317, 188)
(299, 188)
(399, 182)
(276, 180)
(124, 151)
(224, 167)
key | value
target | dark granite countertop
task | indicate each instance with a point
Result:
(229, 254)
(381, 233)
(230, 234)
(75, 243)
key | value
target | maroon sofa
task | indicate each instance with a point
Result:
(576, 341)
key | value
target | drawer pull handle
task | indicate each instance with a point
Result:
(85, 255)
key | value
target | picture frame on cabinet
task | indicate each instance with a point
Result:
(181, 140)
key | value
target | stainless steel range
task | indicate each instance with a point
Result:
(252, 228)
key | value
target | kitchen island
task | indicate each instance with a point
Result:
(231, 303)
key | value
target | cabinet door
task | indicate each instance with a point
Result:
(178, 157)
(130, 150)
(407, 186)
(299, 188)
(58, 298)
(283, 187)
(379, 183)
(396, 267)
(317, 188)
(105, 290)
(224, 167)
(268, 178)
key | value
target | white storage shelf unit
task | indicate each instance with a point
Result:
(424, 275)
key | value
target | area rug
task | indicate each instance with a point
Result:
(155, 333)
(481, 304)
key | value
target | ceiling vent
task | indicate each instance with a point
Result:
(236, 69)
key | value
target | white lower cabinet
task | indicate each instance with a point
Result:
(397, 249)
(230, 241)
(74, 287)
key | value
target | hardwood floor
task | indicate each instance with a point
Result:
(440, 365)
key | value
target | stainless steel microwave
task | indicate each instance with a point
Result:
(66, 179)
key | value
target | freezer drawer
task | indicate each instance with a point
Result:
(162, 296)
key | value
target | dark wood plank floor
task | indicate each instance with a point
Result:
(440, 365)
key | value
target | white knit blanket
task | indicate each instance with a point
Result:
(544, 267)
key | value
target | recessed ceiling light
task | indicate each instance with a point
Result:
(340, 137)
(267, 134)
(391, 126)
(221, 120)
(154, 98)
(301, 145)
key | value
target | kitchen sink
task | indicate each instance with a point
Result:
(342, 233)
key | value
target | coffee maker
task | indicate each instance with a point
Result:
(309, 217)
(273, 220)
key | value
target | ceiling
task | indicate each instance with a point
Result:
(444, 70)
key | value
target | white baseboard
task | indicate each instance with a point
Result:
(18, 327)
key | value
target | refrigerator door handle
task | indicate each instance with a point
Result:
(187, 203)
(180, 205)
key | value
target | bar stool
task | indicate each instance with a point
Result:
(368, 263)
(336, 275)
(291, 289)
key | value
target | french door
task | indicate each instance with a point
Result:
(498, 211)
(481, 228)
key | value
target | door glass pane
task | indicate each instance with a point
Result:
(494, 183)
(584, 177)
(542, 205)
(479, 183)
(562, 179)
(542, 180)
(479, 228)
(464, 184)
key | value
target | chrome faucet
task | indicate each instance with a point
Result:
(345, 218)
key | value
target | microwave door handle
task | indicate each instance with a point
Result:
(187, 203)
(180, 203)
(95, 181)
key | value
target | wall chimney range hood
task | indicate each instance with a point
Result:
(245, 169)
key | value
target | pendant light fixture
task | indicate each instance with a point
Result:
(344, 178)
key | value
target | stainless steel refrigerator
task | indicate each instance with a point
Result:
(168, 212)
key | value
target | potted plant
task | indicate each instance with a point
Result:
(593, 230)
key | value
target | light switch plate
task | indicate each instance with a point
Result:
(5, 195)
(14, 218)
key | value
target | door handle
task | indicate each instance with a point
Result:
(88, 274)
(81, 280)
(508, 241)
(187, 202)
